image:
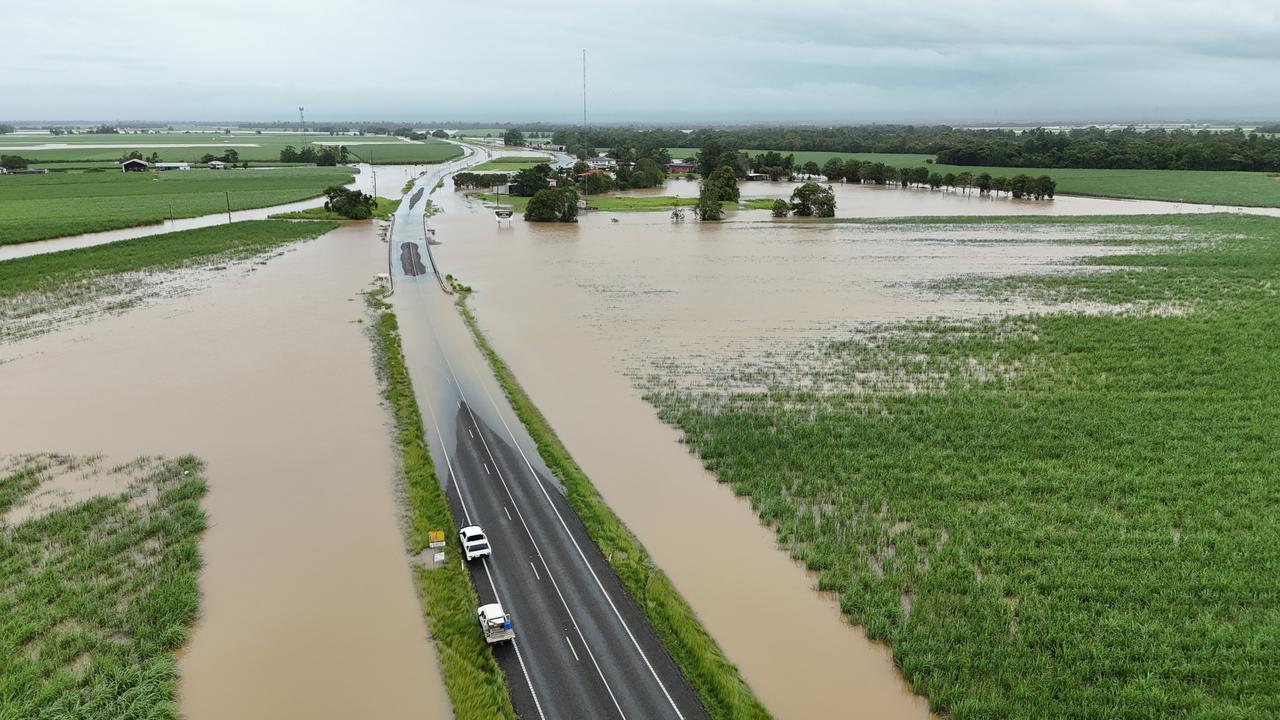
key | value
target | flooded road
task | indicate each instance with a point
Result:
(308, 608)
(581, 311)
(389, 178)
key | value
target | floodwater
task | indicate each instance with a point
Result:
(390, 177)
(308, 608)
(857, 200)
(579, 311)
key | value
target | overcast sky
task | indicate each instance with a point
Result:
(680, 60)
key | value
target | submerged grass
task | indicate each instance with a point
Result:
(96, 596)
(720, 687)
(472, 677)
(37, 291)
(1094, 534)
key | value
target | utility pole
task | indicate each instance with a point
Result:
(584, 88)
(228, 196)
(302, 122)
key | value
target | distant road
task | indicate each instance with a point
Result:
(583, 649)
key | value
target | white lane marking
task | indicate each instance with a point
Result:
(449, 463)
(551, 576)
(486, 468)
(563, 524)
(519, 657)
(508, 512)
(535, 570)
(473, 437)
(575, 652)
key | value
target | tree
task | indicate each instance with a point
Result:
(552, 205)
(13, 162)
(439, 134)
(513, 138)
(833, 169)
(6, 128)
(596, 183)
(723, 183)
(1019, 185)
(935, 180)
(647, 173)
(812, 199)
(351, 204)
(1000, 184)
(529, 181)
(984, 183)
(708, 207)
(781, 208)
(810, 168)
(1043, 187)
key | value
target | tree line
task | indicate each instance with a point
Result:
(1127, 148)
(324, 155)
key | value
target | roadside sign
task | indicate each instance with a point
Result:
(435, 538)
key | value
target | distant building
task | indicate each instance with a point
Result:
(218, 165)
(757, 176)
(679, 167)
(173, 166)
(602, 162)
(135, 165)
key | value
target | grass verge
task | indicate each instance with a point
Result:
(719, 685)
(96, 596)
(472, 677)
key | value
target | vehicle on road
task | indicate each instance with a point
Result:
(474, 542)
(496, 623)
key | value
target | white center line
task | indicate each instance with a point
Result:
(575, 652)
(486, 469)
(508, 512)
(535, 570)
(473, 437)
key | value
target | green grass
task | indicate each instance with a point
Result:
(1246, 189)
(382, 211)
(719, 685)
(112, 276)
(1068, 515)
(252, 148)
(96, 597)
(511, 163)
(38, 207)
(472, 677)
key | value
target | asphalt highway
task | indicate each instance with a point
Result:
(583, 649)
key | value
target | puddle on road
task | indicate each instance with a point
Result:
(577, 311)
(308, 608)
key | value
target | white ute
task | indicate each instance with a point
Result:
(474, 542)
(495, 623)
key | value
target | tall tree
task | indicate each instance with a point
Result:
(812, 199)
(513, 138)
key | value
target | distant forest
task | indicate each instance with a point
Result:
(1156, 149)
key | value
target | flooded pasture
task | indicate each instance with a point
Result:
(581, 311)
(307, 603)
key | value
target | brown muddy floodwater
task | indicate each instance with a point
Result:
(308, 608)
(579, 311)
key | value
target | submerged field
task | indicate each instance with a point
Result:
(1056, 515)
(99, 590)
(1249, 189)
(38, 207)
(40, 292)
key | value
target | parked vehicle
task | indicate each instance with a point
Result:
(474, 542)
(495, 623)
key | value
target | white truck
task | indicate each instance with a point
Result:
(496, 623)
